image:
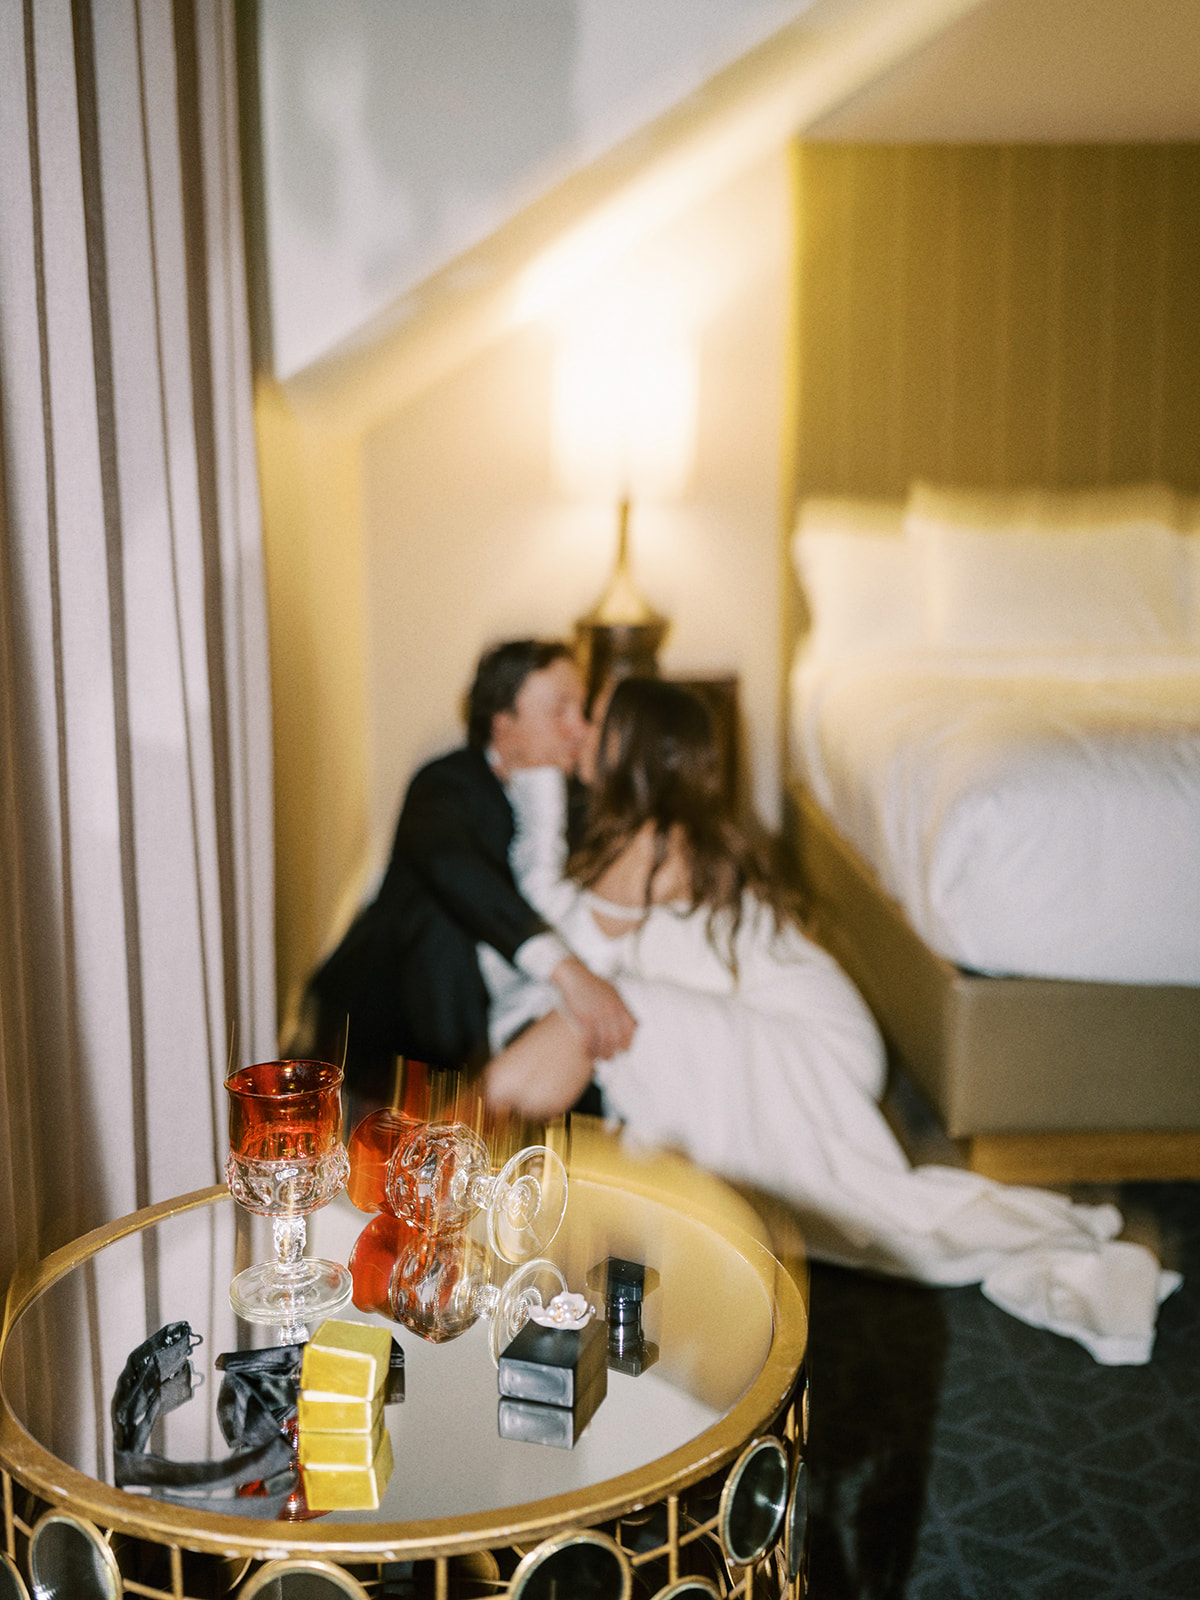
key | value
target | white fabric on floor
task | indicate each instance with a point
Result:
(772, 1081)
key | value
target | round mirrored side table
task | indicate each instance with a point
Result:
(684, 1473)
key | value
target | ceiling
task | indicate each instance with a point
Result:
(1039, 71)
(862, 71)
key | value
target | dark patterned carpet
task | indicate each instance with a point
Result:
(957, 1453)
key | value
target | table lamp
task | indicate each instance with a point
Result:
(624, 416)
(621, 635)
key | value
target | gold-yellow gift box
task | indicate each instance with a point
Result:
(345, 1449)
(343, 1485)
(342, 1449)
(342, 1377)
(346, 1361)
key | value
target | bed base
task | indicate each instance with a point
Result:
(1117, 1157)
(1036, 1080)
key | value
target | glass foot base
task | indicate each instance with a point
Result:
(301, 1293)
(528, 1202)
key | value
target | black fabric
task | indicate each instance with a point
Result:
(406, 976)
(258, 1397)
(157, 1377)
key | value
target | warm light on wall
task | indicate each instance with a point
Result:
(624, 427)
(625, 410)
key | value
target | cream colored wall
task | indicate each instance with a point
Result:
(312, 529)
(444, 528)
(998, 315)
(469, 538)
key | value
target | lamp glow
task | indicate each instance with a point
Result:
(625, 413)
(624, 426)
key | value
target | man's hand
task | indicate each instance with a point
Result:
(602, 1017)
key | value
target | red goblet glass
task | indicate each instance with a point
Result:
(439, 1284)
(438, 1176)
(286, 1159)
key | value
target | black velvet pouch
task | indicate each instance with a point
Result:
(257, 1399)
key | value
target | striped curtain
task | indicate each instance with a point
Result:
(136, 886)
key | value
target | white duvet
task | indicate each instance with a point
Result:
(1035, 818)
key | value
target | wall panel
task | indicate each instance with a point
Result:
(1181, 309)
(997, 315)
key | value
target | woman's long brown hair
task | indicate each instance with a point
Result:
(658, 762)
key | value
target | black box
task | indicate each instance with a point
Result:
(624, 1285)
(555, 1366)
(532, 1422)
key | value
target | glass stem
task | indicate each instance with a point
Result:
(289, 1234)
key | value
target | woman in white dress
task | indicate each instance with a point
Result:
(756, 1056)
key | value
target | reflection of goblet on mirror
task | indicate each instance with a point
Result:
(439, 1284)
(438, 1175)
(286, 1159)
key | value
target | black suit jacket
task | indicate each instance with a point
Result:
(406, 974)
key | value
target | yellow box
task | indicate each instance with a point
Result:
(335, 1413)
(318, 1449)
(346, 1358)
(347, 1488)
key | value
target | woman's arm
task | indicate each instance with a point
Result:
(538, 854)
(538, 857)
(542, 1073)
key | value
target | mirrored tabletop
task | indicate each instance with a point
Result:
(722, 1337)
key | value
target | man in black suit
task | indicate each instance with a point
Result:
(407, 975)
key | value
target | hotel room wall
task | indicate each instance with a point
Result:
(312, 535)
(395, 556)
(997, 315)
(470, 537)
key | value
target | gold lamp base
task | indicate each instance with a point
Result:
(621, 635)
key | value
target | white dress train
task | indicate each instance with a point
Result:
(772, 1080)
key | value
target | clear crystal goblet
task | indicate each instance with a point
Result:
(438, 1175)
(286, 1159)
(438, 1285)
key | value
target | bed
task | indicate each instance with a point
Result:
(994, 805)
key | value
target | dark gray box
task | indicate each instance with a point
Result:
(558, 1426)
(554, 1366)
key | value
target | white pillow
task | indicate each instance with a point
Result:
(861, 576)
(1091, 570)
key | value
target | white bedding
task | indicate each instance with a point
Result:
(1033, 817)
